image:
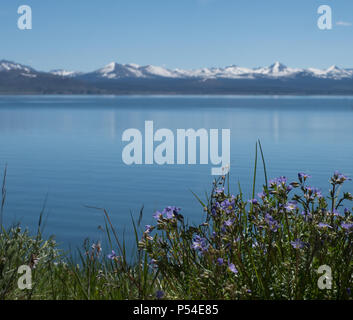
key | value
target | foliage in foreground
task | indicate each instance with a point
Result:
(269, 247)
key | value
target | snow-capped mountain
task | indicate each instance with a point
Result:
(9, 66)
(65, 73)
(337, 73)
(116, 71)
(119, 71)
(277, 70)
(116, 78)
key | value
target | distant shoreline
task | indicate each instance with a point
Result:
(201, 95)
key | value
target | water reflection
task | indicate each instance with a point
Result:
(70, 148)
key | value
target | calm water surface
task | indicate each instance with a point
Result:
(68, 149)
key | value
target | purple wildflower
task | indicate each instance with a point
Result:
(232, 268)
(338, 178)
(347, 226)
(297, 244)
(229, 222)
(112, 255)
(215, 208)
(171, 212)
(219, 190)
(159, 294)
(311, 193)
(157, 215)
(317, 193)
(303, 176)
(291, 206)
(148, 228)
(200, 244)
(253, 201)
(272, 223)
(278, 182)
(228, 206)
(220, 261)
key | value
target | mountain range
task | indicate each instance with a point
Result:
(115, 78)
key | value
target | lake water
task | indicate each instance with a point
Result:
(69, 149)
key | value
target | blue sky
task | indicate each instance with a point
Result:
(85, 35)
